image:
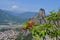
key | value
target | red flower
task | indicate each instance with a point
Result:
(29, 25)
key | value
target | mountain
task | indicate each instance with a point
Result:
(14, 17)
(26, 15)
(5, 17)
(22, 15)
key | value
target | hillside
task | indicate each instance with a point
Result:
(6, 17)
(26, 15)
(14, 17)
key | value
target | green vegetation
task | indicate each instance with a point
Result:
(51, 27)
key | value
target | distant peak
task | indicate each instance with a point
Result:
(42, 9)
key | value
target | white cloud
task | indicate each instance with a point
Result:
(20, 8)
(14, 7)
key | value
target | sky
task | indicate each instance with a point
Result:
(29, 5)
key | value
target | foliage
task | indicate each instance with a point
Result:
(51, 27)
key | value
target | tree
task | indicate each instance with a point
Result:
(49, 27)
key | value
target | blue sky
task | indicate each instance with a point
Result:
(29, 5)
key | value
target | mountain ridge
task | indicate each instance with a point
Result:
(11, 16)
